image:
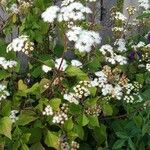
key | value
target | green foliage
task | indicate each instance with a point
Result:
(96, 121)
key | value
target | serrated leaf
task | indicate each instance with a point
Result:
(68, 125)
(4, 74)
(25, 137)
(118, 144)
(82, 120)
(79, 131)
(37, 146)
(93, 121)
(107, 109)
(55, 103)
(6, 127)
(131, 144)
(26, 118)
(76, 72)
(52, 140)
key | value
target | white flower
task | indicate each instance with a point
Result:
(6, 64)
(76, 63)
(121, 59)
(50, 14)
(120, 16)
(115, 29)
(121, 45)
(74, 11)
(71, 98)
(46, 69)
(107, 89)
(144, 3)
(61, 64)
(106, 48)
(117, 92)
(148, 67)
(3, 92)
(48, 111)
(84, 39)
(13, 115)
(21, 43)
(14, 8)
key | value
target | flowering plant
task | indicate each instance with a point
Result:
(74, 88)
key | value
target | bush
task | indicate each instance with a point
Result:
(75, 93)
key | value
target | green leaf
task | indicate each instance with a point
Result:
(55, 103)
(122, 135)
(37, 146)
(25, 138)
(140, 78)
(6, 126)
(107, 109)
(91, 102)
(144, 15)
(75, 109)
(93, 91)
(35, 89)
(138, 121)
(93, 121)
(119, 144)
(4, 74)
(145, 129)
(131, 144)
(24, 147)
(26, 117)
(68, 125)
(146, 94)
(6, 108)
(22, 86)
(76, 72)
(52, 140)
(82, 120)
(100, 134)
(37, 72)
(79, 131)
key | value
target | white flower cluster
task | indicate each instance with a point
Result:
(46, 69)
(144, 4)
(139, 45)
(111, 56)
(71, 97)
(69, 11)
(61, 64)
(20, 6)
(48, 111)
(6, 64)
(93, 110)
(21, 43)
(120, 16)
(84, 40)
(114, 85)
(14, 8)
(117, 29)
(61, 116)
(148, 67)
(106, 88)
(76, 63)
(13, 115)
(65, 145)
(131, 91)
(80, 91)
(121, 45)
(3, 92)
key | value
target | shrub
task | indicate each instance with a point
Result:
(76, 93)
